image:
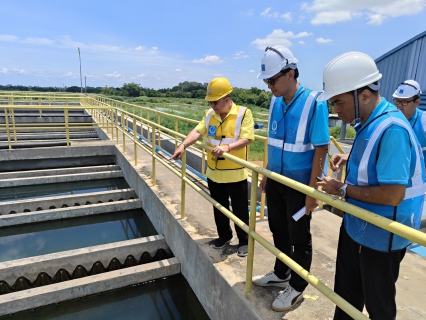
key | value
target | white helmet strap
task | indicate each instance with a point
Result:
(357, 118)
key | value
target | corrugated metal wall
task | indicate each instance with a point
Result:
(407, 61)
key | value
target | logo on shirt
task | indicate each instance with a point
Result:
(263, 67)
(212, 130)
(274, 126)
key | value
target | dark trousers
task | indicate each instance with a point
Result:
(292, 238)
(366, 277)
(237, 191)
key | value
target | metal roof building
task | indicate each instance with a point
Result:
(407, 61)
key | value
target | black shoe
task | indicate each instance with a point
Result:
(242, 251)
(220, 243)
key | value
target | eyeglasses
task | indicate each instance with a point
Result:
(215, 103)
(403, 103)
(272, 81)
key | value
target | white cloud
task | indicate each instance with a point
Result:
(302, 42)
(154, 48)
(323, 40)
(115, 74)
(8, 38)
(276, 15)
(4, 70)
(248, 13)
(208, 60)
(218, 75)
(41, 41)
(178, 70)
(140, 75)
(376, 19)
(240, 55)
(140, 48)
(279, 37)
(333, 11)
(331, 17)
(20, 71)
(252, 71)
(68, 74)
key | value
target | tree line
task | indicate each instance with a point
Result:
(186, 89)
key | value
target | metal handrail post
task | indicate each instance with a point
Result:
(153, 145)
(252, 228)
(116, 123)
(176, 129)
(12, 112)
(262, 195)
(135, 137)
(203, 159)
(182, 187)
(67, 130)
(7, 128)
(159, 132)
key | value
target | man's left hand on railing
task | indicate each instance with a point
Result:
(219, 150)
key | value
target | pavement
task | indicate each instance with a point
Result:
(199, 224)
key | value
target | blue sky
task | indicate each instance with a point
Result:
(161, 43)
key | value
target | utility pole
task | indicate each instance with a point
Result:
(81, 79)
(85, 86)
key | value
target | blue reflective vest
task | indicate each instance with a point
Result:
(418, 123)
(290, 149)
(362, 171)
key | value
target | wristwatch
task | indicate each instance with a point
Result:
(342, 190)
(184, 145)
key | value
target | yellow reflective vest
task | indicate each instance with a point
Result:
(222, 133)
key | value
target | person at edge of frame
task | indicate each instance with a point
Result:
(379, 179)
(407, 99)
(229, 128)
(298, 140)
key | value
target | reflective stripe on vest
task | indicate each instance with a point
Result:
(417, 188)
(301, 130)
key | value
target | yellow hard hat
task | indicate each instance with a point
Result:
(217, 89)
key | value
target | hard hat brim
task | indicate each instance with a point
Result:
(324, 97)
(268, 75)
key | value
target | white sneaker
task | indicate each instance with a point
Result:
(270, 279)
(287, 299)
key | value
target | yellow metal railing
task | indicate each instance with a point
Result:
(107, 117)
(392, 226)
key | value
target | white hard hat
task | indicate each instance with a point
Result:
(407, 89)
(274, 60)
(348, 72)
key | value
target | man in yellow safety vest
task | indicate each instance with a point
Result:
(228, 128)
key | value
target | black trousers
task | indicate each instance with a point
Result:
(292, 238)
(366, 277)
(238, 192)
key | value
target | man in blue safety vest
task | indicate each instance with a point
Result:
(407, 99)
(298, 140)
(379, 178)
(228, 128)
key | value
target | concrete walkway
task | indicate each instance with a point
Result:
(325, 227)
